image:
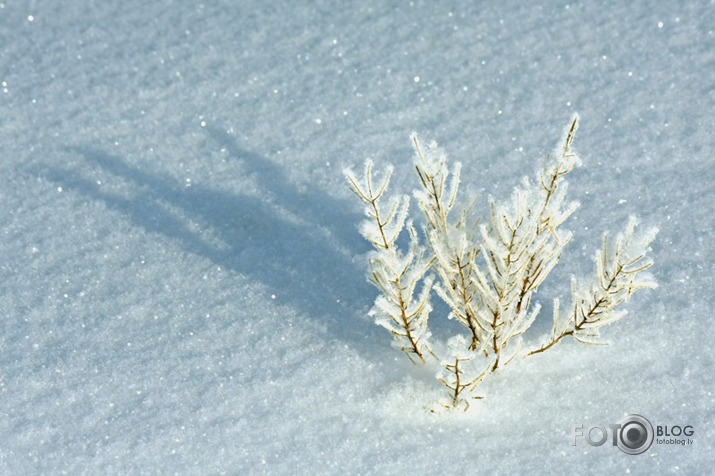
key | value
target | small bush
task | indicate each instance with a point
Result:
(487, 273)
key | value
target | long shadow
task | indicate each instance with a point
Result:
(290, 242)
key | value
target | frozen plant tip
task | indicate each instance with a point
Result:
(487, 273)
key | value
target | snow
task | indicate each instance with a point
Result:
(182, 284)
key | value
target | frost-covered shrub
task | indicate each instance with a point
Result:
(487, 273)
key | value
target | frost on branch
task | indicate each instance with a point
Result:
(521, 244)
(462, 371)
(620, 271)
(452, 243)
(488, 274)
(394, 273)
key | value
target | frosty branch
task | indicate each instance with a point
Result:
(451, 243)
(394, 273)
(487, 273)
(619, 273)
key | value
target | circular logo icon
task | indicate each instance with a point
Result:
(635, 434)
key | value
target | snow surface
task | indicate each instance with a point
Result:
(182, 282)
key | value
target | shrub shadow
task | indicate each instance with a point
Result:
(295, 243)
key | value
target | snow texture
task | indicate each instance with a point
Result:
(182, 287)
